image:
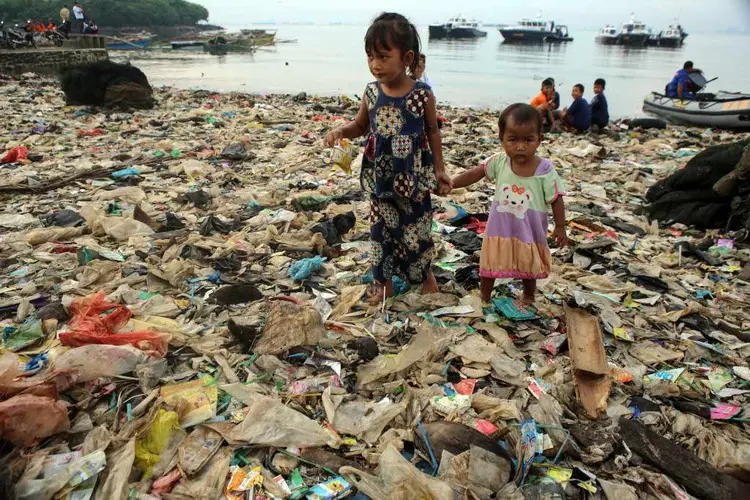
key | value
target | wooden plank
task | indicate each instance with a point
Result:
(699, 478)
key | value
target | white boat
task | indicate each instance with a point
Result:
(723, 110)
(729, 110)
(607, 35)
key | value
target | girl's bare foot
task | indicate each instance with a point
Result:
(431, 285)
(486, 285)
(529, 291)
(379, 292)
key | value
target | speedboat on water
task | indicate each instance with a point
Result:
(607, 35)
(673, 36)
(633, 34)
(535, 31)
(457, 27)
(723, 110)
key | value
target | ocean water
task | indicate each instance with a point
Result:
(487, 73)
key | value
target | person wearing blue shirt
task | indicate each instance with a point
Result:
(680, 86)
(577, 118)
(599, 108)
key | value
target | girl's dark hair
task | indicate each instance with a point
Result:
(391, 30)
(522, 114)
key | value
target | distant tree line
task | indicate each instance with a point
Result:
(109, 13)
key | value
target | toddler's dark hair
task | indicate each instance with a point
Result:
(548, 82)
(580, 87)
(522, 114)
(391, 30)
(600, 81)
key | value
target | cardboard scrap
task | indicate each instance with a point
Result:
(589, 360)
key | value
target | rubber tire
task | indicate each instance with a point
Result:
(647, 123)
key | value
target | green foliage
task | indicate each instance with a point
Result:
(114, 13)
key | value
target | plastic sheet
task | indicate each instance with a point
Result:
(87, 326)
(302, 269)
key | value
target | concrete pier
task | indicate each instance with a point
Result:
(50, 60)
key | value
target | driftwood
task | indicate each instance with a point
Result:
(64, 181)
(60, 181)
(699, 478)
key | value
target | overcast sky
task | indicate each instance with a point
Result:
(695, 15)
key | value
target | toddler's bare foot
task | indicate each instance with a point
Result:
(431, 285)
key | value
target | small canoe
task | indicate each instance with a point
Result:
(723, 110)
(138, 44)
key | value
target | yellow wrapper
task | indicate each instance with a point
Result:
(342, 155)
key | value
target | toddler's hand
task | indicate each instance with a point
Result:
(560, 237)
(445, 183)
(333, 137)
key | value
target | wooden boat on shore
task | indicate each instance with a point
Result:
(258, 38)
(129, 43)
(197, 41)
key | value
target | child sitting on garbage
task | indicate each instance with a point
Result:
(577, 118)
(599, 108)
(403, 159)
(515, 243)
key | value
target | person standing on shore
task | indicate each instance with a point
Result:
(403, 160)
(78, 17)
(64, 14)
(515, 244)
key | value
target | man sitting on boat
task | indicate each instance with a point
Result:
(681, 86)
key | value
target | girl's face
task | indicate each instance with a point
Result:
(520, 141)
(386, 65)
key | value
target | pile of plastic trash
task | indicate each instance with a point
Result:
(182, 316)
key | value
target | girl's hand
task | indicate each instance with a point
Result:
(560, 236)
(333, 137)
(445, 183)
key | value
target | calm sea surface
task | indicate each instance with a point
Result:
(327, 60)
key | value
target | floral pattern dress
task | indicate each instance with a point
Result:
(398, 174)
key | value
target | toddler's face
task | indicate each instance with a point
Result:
(576, 93)
(420, 69)
(520, 141)
(598, 89)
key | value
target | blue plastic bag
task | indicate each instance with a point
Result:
(126, 172)
(303, 268)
